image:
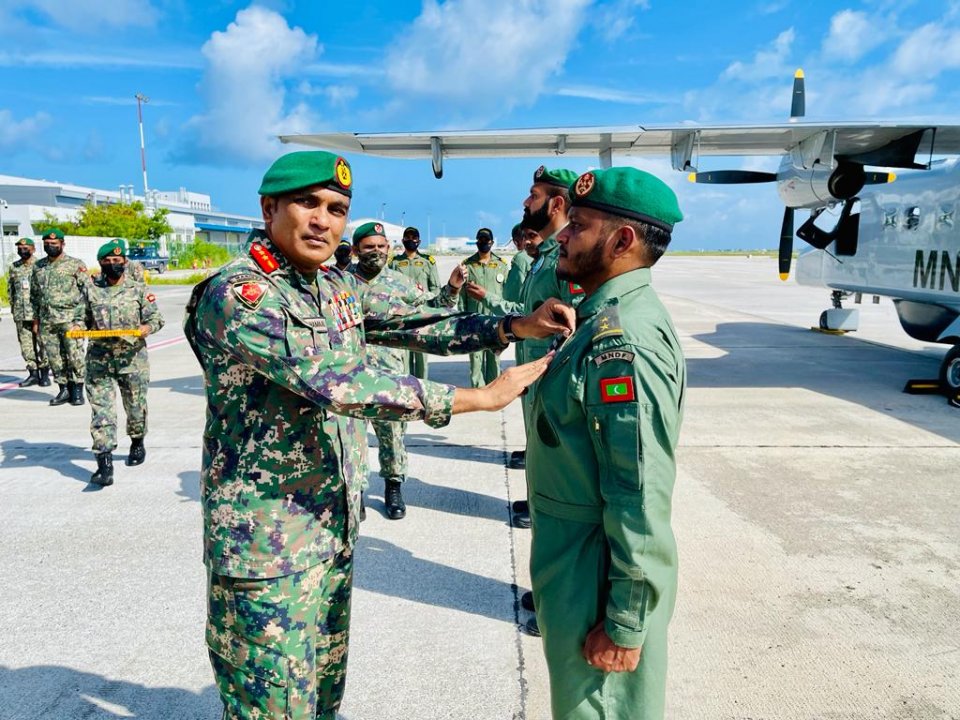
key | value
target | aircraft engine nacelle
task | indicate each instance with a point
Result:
(815, 188)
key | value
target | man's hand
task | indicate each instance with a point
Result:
(35, 327)
(601, 652)
(551, 318)
(502, 391)
(477, 292)
(144, 330)
(458, 276)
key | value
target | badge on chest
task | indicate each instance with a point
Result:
(346, 310)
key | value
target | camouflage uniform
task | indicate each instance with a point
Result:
(122, 360)
(284, 458)
(421, 269)
(135, 272)
(490, 275)
(56, 292)
(18, 287)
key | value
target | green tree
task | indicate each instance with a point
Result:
(124, 220)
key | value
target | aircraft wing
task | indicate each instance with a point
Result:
(681, 142)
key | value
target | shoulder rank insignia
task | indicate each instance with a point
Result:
(263, 257)
(618, 389)
(250, 294)
(432, 259)
(574, 289)
(606, 328)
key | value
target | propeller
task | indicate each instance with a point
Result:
(786, 244)
(879, 178)
(798, 106)
(731, 177)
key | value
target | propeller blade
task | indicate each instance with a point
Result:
(731, 177)
(798, 106)
(879, 178)
(786, 243)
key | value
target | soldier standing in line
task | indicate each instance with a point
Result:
(602, 463)
(519, 266)
(486, 272)
(116, 302)
(18, 288)
(281, 339)
(56, 292)
(371, 246)
(344, 256)
(421, 269)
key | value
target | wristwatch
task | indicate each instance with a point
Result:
(507, 326)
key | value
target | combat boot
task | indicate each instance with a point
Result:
(33, 378)
(62, 396)
(393, 499)
(137, 452)
(104, 474)
(76, 394)
(44, 377)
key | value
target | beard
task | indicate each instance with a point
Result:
(538, 219)
(584, 266)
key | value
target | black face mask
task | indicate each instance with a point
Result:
(52, 250)
(538, 220)
(342, 254)
(371, 263)
(24, 252)
(484, 246)
(113, 270)
(410, 245)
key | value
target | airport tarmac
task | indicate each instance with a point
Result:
(815, 511)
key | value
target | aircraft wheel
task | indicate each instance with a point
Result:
(823, 321)
(950, 371)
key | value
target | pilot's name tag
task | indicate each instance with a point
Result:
(316, 323)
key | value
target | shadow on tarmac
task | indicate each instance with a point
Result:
(19, 454)
(188, 385)
(189, 486)
(421, 494)
(54, 692)
(428, 445)
(35, 393)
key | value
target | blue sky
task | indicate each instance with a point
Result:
(225, 78)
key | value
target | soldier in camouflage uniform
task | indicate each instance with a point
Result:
(519, 266)
(486, 272)
(116, 302)
(420, 269)
(344, 256)
(56, 292)
(281, 338)
(18, 288)
(371, 246)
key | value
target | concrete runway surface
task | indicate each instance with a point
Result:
(816, 511)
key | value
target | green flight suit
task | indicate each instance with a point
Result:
(519, 267)
(490, 275)
(421, 269)
(600, 471)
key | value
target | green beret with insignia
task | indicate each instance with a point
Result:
(25, 241)
(306, 168)
(114, 247)
(53, 233)
(629, 193)
(559, 177)
(367, 230)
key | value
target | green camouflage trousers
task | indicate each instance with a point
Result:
(392, 453)
(103, 375)
(32, 355)
(484, 368)
(417, 364)
(278, 646)
(64, 354)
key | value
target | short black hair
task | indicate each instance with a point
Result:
(655, 239)
(411, 231)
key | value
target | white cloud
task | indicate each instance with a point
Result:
(614, 19)
(175, 59)
(336, 95)
(591, 92)
(244, 89)
(16, 134)
(483, 56)
(87, 15)
(767, 62)
(928, 51)
(852, 35)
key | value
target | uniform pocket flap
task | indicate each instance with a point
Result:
(592, 514)
(257, 660)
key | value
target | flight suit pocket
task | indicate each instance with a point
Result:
(617, 430)
(252, 679)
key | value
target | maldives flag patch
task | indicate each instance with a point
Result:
(618, 389)
(250, 294)
(574, 289)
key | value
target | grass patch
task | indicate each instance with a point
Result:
(191, 279)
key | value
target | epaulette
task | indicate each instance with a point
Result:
(431, 259)
(263, 258)
(608, 323)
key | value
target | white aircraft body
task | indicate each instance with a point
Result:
(899, 240)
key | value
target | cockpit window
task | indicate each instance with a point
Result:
(911, 219)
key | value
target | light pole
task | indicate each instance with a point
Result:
(3, 237)
(383, 206)
(142, 100)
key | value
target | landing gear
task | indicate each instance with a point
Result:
(837, 320)
(950, 375)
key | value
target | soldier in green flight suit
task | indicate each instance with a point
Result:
(18, 288)
(601, 448)
(421, 269)
(519, 266)
(281, 338)
(486, 273)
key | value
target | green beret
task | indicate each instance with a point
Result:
(51, 233)
(306, 168)
(24, 241)
(114, 247)
(367, 230)
(559, 177)
(629, 193)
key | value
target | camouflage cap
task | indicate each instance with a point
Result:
(53, 233)
(368, 230)
(114, 247)
(559, 177)
(298, 170)
(627, 192)
(25, 241)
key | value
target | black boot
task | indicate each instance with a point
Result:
(518, 460)
(137, 452)
(363, 509)
(44, 377)
(63, 396)
(33, 378)
(76, 394)
(393, 499)
(104, 474)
